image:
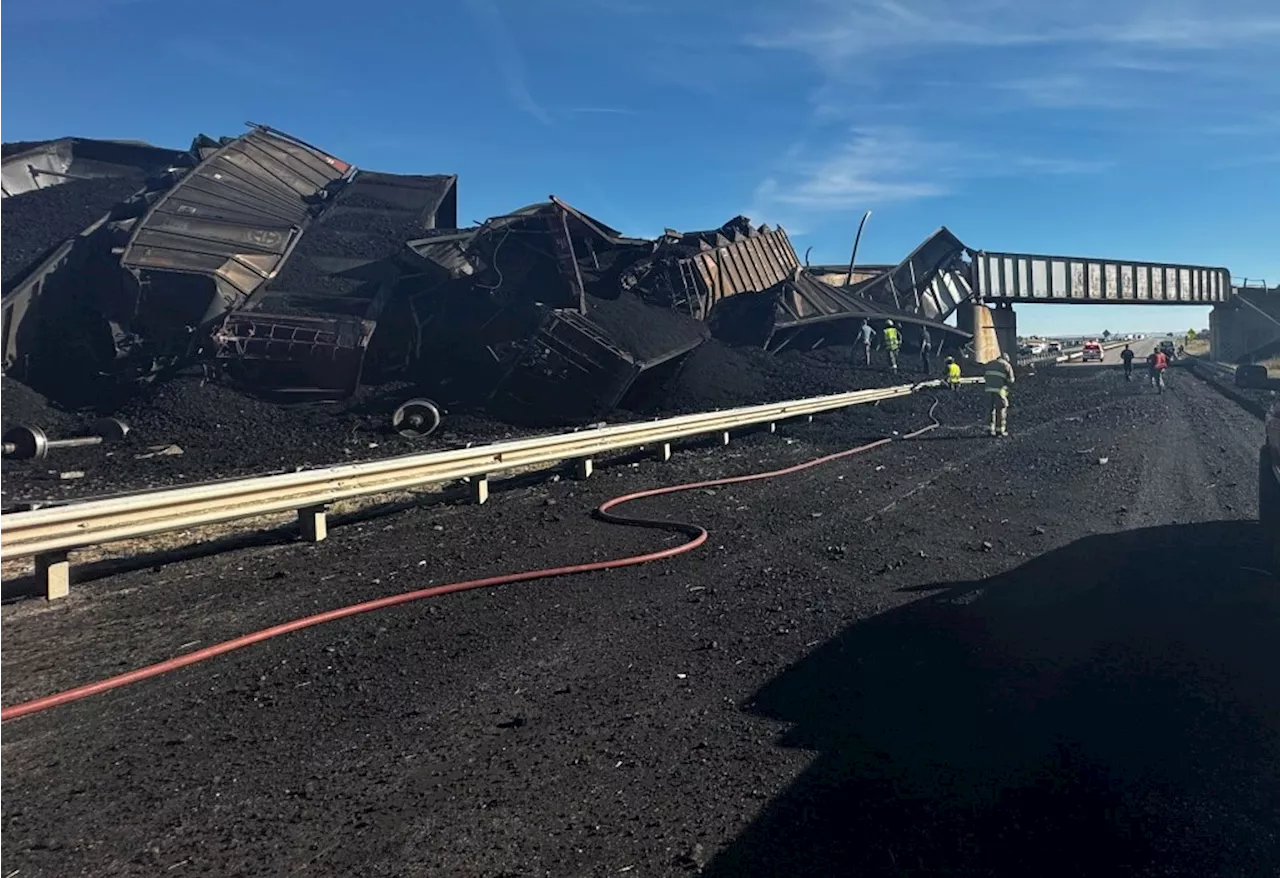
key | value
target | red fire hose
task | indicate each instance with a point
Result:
(697, 534)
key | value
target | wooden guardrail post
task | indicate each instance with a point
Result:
(314, 523)
(583, 467)
(54, 570)
(480, 490)
(664, 451)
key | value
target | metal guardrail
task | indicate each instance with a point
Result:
(49, 533)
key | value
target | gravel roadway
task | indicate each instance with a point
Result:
(956, 655)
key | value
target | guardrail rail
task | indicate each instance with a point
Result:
(48, 534)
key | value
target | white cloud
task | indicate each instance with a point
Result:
(940, 66)
(1055, 167)
(877, 166)
(1065, 91)
(1085, 54)
(66, 11)
(883, 165)
(837, 31)
(604, 111)
(507, 57)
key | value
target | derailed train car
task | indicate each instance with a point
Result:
(299, 275)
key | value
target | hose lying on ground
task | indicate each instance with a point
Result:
(697, 536)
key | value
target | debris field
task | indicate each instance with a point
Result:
(947, 656)
(294, 276)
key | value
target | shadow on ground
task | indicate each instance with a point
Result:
(1112, 707)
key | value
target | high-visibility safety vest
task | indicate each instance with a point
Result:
(953, 373)
(892, 340)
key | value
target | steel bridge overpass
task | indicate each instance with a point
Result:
(942, 277)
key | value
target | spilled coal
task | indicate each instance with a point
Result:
(34, 223)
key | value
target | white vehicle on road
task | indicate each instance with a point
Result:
(1092, 351)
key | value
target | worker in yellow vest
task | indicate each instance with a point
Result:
(953, 374)
(892, 343)
(998, 378)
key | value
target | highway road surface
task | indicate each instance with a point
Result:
(1051, 654)
(1111, 356)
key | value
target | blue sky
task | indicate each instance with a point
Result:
(1131, 129)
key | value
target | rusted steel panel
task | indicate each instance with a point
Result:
(749, 263)
(1019, 277)
(247, 199)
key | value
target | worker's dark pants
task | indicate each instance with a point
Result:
(1128, 371)
(924, 362)
(893, 359)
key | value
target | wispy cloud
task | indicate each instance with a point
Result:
(1259, 124)
(1062, 66)
(1064, 91)
(836, 31)
(1055, 167)
(876, 166)
(507, 57)
(1084, 54)
(66, 11)
(604, 111)
(245, 59)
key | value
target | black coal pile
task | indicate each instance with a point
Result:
(36, 222)
(717, 376)
(331, 270)
(19, 404)
(223, 431)
(647, 332)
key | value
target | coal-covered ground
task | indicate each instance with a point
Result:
(647, 332)
(224, 433)
(36, 222)
(955, 656)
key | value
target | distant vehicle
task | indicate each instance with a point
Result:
(1055, 347)
(1167, 348)
(1092, 351)
(1038, 348)
(1024, 350)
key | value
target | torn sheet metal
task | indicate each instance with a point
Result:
(804, 308)
(910, 285)
(839, 276)
(55, 162)
(737, 260)
(235, 217)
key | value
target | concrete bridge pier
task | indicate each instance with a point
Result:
(994, 329)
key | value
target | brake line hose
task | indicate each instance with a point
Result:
(696, 533)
